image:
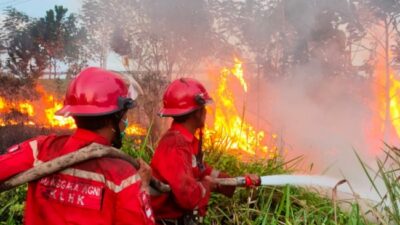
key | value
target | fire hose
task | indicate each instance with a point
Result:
(94, 151)
(91, 151)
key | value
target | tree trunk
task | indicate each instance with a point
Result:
(55, 68)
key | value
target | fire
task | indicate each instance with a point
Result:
(26, 108)
(237, 71)
(386, 123)
(54, 120)
(22, 108)
(229, 126)
(395, 103)
(41, 112)
(51, 105)
(135, 129)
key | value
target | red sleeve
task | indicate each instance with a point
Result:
(17, 159)
(176, 168)
(133, 206)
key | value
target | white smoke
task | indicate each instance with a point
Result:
(325, 120)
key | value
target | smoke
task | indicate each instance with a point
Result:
(324, 119)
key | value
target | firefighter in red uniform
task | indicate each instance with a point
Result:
(99, 191)
(178, 159)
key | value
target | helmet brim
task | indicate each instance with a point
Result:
(175, 112)
(86, 110)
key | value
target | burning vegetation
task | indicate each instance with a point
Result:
(230, 127)
(41, 113)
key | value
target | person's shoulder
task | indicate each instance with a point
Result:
(116, 170)
(34, 142)
(173, 138)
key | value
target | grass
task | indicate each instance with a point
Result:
(264, 205)
(273, 205)
(387, 209)
(12, 206)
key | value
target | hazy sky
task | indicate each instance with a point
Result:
(37, 8)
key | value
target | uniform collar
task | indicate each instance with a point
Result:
(90, 136)
(183, 130)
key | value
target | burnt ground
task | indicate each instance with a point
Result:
(14, 134)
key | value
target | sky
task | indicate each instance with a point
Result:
(37, 8)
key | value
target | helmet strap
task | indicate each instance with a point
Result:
(199, 99)
(199, 155)
(118, 135)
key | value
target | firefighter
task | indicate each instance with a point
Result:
(178, 158)
(98, 191)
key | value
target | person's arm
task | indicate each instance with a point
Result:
(214, 173)
(253, 179)
(19, 158)
(176, 169)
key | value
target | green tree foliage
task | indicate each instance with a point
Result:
(25, 58)
(60, 37)
(34, 45)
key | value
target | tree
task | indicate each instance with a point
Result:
(61, 38)
(156, 40)
(97, 19)
(170, 36)
(279, 35)
(25, 59)
(382, 18)
(34, 45)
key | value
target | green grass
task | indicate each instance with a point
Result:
(12, 206)
(387, 209)
(263, 205)
(272, 205)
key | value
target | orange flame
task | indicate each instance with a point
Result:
(42, 113)
(23, 107)
(395, 103)
(386, 123)
(229, 126)
(135, 129)
(51, 105)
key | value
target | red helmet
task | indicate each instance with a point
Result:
(96, 92)
(184, 96)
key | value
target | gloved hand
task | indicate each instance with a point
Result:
(252, 180)
(145, 175)
(209, 183)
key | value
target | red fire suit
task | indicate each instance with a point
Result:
(99, 191)
(174, 162)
